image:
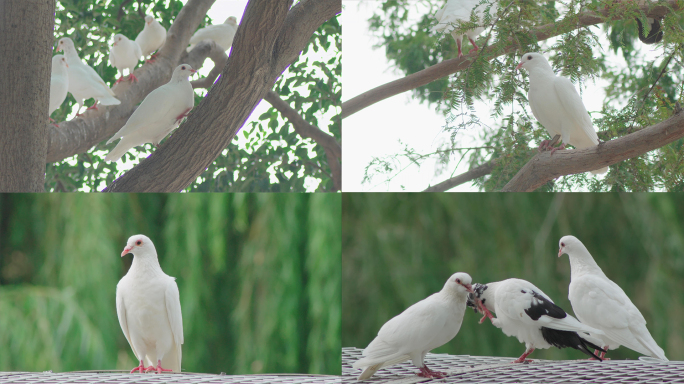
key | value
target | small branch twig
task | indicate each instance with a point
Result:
(479, 171)
(219, 57)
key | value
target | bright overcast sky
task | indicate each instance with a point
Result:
(384, 128)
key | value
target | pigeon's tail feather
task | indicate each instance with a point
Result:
(600, 171)
(172, 360)
(368, 372)
(647, 341)
(563, 339)
(110, 100)
(118, 151)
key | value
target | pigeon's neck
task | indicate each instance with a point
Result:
(581, 263)
(71, 55)
(147, 265)
(453, 297)
(541, 74)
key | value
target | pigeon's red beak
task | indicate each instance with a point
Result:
(126, 251)
(560, 252)
(519, 65)
(468, 287)
(193, 71)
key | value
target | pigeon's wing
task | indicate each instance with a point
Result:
(155, 107)
(112, 58)
(573, 105)
(121, 313)
(173, 311)
(137, 51)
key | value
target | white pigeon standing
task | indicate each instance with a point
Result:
(84, 82)
(524, 311)
(221, 34)
(427, 324)
(602, 304)
(125, 53)
(460, 10)
(158, 114)
(558, 107)
(151, 38)
(149, 310)
(59, 82)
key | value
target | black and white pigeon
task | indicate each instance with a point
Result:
(524, 311)
(426, 325)
(655, 33)
(602, 304)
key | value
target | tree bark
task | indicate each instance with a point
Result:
(544, 167)
(333, 151)
(26, 27)
(451, 66)
(479, 171)
(82, 133)
(270, 37)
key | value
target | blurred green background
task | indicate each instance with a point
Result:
(258, 274)
(400, 248)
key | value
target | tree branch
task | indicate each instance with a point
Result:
(80, 134)
(219, 57)
(544, 167)
(260, 53)
(479, 171)
(448, 67)
(333, 151)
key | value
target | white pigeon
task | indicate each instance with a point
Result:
(149, 310)
(221, 34)
(152, 37)
(59, 82)
(84, 82)
(602, 304)
(125, 53)
(425, 325)
(524, 311)
(558, 107)
(158, 114)
(460, 10)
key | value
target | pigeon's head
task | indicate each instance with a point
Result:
(475, 299)
(59, 60)
(149, 19)
(460, 282)
(139, 245)
(182, 72)
(118, 38)
(569, 244)
(533, 60)
(64, 44)
(231, 20)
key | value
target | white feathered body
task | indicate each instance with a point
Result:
(426, 325)
(125, 54)
(59, 82)
(154, 118)
(600, 303)
(221, 34)
(460, 10)
(151, 38)
(84, 82)
(148, 306)
(510, 298)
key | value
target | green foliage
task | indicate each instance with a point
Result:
(273, 158)
(258, 275)
(492, 81)
(400, 248)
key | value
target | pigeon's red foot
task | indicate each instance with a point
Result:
(521, 359)
(182, 115)
(118, 81)
(430, 374)
(158, 369)
(475, 47)
(93, 107)
(132, 77)
(561, 147)
(151, 60)
(51, 119)
(486, 313)
(140, 368)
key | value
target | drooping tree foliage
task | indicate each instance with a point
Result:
(258, 275)
(400, 248)
(641, 92)
(272, 156)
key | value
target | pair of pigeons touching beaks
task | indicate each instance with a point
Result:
(606, 317)
(554, 101)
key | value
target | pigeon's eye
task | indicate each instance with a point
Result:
(183, 68)
(529, 57)
(458, 281)
(562, 244)
(139, 242)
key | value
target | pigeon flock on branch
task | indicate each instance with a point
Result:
(162, 110)
(606, 318)
(554, 101)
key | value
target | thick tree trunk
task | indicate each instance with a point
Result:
(270, 37)
(26, 30)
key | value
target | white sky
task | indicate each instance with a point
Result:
(380, 129)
